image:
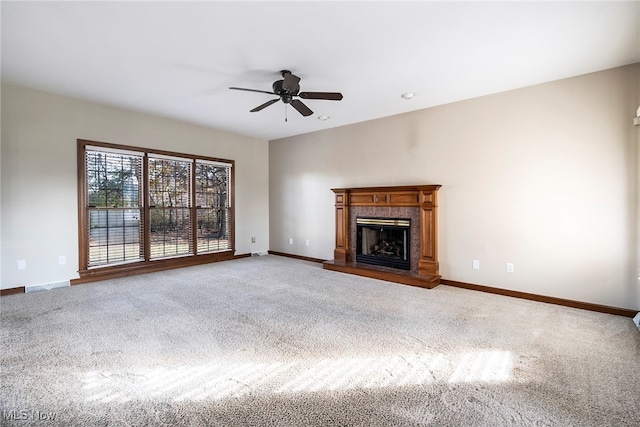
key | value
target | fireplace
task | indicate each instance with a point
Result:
(384, 242)
(400, 243)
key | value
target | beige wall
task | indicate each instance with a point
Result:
(39, 184)
(637, 189)
(544, 177)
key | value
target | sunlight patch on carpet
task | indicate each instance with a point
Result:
(224, 380)
(484, 366)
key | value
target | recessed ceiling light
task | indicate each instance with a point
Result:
(408, 95)
(323, 118)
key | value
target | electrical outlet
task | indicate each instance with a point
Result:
(62, 260)
(22, 264)
(509, 267)
(290, 241)
(253, 240)
(306, 242)
(475, 264)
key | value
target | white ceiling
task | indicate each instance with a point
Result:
(177, 59)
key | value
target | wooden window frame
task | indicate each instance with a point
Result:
(89, 274)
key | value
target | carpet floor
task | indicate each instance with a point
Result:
(275, 341)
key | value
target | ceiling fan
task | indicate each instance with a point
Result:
(288, 89)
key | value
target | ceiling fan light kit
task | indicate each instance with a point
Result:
(288, 90)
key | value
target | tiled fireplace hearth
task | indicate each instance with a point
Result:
(404, 250)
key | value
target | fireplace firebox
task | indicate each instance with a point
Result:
(384, 242)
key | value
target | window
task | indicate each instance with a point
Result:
(170, 207)
(144, 209)
(212, 200)
(114, 210)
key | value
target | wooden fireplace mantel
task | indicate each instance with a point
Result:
(424, 197)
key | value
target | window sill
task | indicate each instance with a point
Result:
(123, 270)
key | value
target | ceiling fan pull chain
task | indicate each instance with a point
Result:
(285, 112)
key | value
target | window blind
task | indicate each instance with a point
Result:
(114, 207)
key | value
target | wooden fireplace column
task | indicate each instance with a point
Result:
(425, 197)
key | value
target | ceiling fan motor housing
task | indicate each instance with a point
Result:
(286, 95)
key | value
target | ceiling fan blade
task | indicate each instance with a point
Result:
(290, 83)
(265, 105)
(302, 109)
(331, 96)
(252, 90)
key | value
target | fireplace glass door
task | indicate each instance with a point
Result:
(384, 242)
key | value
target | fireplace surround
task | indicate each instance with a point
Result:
(415, 204)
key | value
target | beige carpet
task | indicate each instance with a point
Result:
(275, 341)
